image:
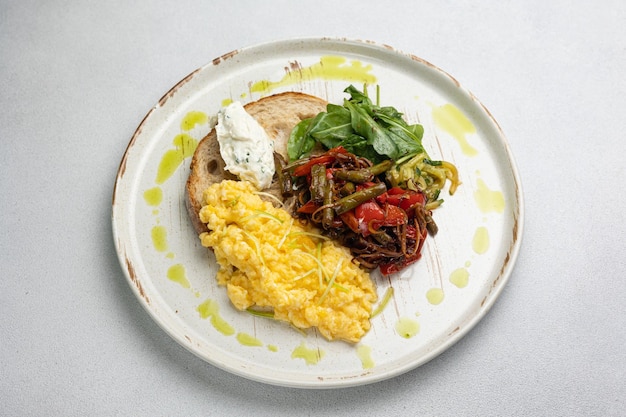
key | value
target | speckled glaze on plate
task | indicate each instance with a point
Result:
(436, 301)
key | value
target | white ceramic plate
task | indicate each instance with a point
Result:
(438, 300)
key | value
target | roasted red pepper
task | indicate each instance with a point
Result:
(411, 232)
(405, 199)
(350, 220)
(308, 208)
(325, 159)
(394, 216)
(305, 169)
(369, 216)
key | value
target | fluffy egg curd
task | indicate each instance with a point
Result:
(268, 260)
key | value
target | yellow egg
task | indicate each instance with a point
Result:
(268, 260)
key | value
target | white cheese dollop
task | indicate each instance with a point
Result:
(245, 147)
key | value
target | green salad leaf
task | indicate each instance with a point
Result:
(332, 126)
(361, 127)
(299, 142)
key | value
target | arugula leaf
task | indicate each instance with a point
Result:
(358, 97)
(332, 125)
(408, 139)
(363, 128)
(388, 112)
(377, 136)
(299, 143)
(418, 131)
(358, 145)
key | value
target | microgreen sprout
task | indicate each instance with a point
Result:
(315, 235)
(234, 201)
(383, 303)
(260, 213)
(257, 245)
(320, 269)
(282, 241)
(331, 282)
(271, 196)
(298, 277)
(266, 314)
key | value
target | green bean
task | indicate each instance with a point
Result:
(381, 167)
(382, 238)
(327, 213)
(431, 226)
(286, 185)
(364, 174)
(318, 182)
(353, 200)
(295, 164)
(357, 175)
(347, 189)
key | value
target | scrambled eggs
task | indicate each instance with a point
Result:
(268, 260)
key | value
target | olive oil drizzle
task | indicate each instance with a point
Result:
(328, 68)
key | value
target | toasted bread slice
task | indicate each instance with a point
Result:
(278, 114)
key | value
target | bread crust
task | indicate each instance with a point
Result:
(277, 114)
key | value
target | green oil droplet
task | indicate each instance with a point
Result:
(211, 309)
(153, 196)
(248, 340)
(159, 238)
(226, 102)
(480, 243)
(435, 296)
(452, 120)
(365, 355)
(407, 327)
(488, 200)
(310, 356)
(329, 68)
(460, 277)
(184, 145)
(192, 119)
(272, 348)
(177, 274)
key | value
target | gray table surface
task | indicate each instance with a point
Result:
(76, 78)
